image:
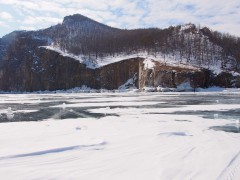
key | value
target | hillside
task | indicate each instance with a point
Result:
(45, 59)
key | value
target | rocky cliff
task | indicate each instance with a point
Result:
(49, 70)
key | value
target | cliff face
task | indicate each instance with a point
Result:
(114, 75)
(171, 77)
(226, 80)
(49, 70)
(46, 71)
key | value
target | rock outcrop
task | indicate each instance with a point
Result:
(49, 70)
(171, 76)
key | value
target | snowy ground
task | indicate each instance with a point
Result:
(120, 136)
(149, 61)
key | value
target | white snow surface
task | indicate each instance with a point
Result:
(136, 139)
(149, 63)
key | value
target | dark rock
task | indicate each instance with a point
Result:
(223, 80)
(114, 75)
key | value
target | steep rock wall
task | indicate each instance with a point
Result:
(48, 70)
(43, 69)
(114, 75)
(171, 77)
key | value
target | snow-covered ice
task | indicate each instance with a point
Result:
(120, 136)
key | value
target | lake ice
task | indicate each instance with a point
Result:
(120, 136)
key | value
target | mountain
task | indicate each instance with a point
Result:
(81, 51)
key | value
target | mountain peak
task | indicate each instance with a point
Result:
(75, 18)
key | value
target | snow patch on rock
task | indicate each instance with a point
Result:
(89, 62)
(148, 63)
(129, 84)
(185, 86)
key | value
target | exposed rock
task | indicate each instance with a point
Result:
(171, 77)
(227, 80)
(114, 75)
(49, 70)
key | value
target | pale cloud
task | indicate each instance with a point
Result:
(214, 13)
(102, 5)
(34, 23)
(27, 28)
(5, 16)
(3, 24)
(126, 13)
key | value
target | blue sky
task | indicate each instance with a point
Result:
(219, 15)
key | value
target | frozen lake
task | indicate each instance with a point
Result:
(120, 136)
(70, 106)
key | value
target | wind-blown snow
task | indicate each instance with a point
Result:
(90, 63)
(140, 136)
(148, 63)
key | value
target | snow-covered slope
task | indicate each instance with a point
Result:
(96, 44)
(187, 45)
(201, 51)
(94, 63)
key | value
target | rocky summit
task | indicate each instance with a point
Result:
(81, 51)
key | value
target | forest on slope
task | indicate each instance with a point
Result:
(185, 43)
(80, 35)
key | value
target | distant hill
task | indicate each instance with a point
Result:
(95, 45)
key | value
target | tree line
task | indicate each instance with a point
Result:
(186, 44)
